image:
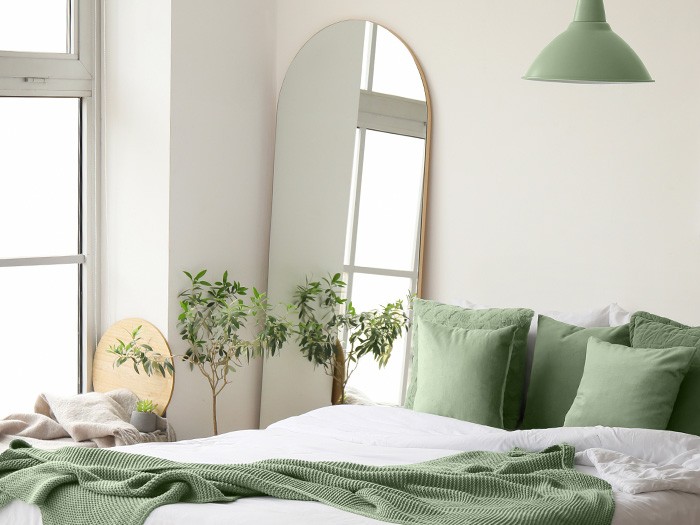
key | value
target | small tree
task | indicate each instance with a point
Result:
(224, 328)
(211, 321)
(325, 316)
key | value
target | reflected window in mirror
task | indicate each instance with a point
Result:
(385, 212)
(388, 66)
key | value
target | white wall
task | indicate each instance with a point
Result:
(542, 194)
(552, 196)
(188, 171)
(136, 136)
(314, 150)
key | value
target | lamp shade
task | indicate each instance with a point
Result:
(588, 52)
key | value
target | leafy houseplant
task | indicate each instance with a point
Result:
(325, 315)
(143, 417)
(140, 354)
(224, 328)
(212, 319)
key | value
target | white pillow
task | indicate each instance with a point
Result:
(618, 315)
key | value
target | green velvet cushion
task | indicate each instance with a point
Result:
(653, 331)
(557, 367)
(490, 319)
(463, 372)
(628, 387)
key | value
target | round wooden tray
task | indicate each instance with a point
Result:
(106, 377)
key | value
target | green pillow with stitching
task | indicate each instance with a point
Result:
(653, 331)
(490, 319)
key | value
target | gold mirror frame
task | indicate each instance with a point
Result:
(289, 372)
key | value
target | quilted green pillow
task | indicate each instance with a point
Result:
(463, 372)
(628, 387)
(491, 319)
(652, 331)
(557, 367)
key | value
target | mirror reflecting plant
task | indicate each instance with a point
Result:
(325, 316)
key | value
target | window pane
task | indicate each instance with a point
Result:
(39, 345)
(34, 25)
(390, 201)
(39, 176)
(366, 55)
(395, 71)
(370, 292)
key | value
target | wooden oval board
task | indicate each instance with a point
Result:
(106, 377)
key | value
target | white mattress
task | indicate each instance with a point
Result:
(644, 460)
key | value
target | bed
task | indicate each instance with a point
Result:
(655, 474)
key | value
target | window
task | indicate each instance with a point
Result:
(384, 223)
(48, 166)
(42, 26)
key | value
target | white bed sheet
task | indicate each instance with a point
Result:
(388, 436)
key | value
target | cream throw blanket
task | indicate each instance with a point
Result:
(92, 419)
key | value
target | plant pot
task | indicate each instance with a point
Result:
(144, 421)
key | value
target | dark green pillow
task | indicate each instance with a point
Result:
(463, 372)
(557, 367)
(652, 331)
(490, 319)
(628, 387)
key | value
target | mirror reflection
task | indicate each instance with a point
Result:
(349, 190)
(382, 256)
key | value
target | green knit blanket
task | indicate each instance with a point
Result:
(76, 486)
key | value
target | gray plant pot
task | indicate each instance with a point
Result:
(144, 421)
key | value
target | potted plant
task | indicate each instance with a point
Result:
(224, 329)
(144, 418)
(326, 317)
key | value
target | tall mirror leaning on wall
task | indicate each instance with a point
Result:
(351, 159)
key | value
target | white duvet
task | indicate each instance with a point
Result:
(655, 474)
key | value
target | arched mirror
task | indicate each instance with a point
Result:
(351, 171)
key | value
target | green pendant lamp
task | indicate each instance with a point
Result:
(588, 52)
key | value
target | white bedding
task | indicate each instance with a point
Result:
(655, 474)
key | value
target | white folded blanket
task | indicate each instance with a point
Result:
(92, 419)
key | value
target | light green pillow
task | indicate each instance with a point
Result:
(652, 331)
(463, 372)
(628, 387)
(557, 367)
(490, 319)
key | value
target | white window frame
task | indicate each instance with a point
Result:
(73, 74)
